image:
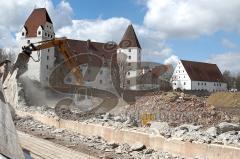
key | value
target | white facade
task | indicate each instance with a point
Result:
(103, 79)
(133, 61)
(181, 80)
(39, 70)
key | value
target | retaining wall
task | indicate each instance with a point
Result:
(157, 142)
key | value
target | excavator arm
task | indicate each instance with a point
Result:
(61, 43)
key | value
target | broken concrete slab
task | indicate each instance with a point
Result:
(225, 127)
(9, 145)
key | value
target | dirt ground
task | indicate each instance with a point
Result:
(225, 99)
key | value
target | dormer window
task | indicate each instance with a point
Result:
(23, 33)
(39, 32)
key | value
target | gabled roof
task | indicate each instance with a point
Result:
(37, 18)
(97, 48)
(129, 38)
(199, 71)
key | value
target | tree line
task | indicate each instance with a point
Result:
(233, 80)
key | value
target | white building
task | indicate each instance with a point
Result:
(130, 47)
(190, 75)
(39, 27)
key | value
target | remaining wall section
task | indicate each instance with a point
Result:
(173, 146)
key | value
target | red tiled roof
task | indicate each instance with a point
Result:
(105, 50)
(129, 38)
(199, 71)
(37, 18)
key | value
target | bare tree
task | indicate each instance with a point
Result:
(7, 55)
(123, 69)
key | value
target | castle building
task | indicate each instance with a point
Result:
(39, 27)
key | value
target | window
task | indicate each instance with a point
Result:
(39, 32)
(129, 57)
(205, 84)
(45, 34)
(202, 84)
(50, 27)
(128, 81)
(183, 71)
(101, 72)
(129, 50)
(128, 73)
(46, 78)
(23, 34)
(100, 81)
(51, 36)
(48, 50)
(220, 85)
(198, 83)
(28, 41)
(47, 57)
(175, 83)
(183, 76)
(47, 66)
(129, 64)
(184, 83)
(214, 84)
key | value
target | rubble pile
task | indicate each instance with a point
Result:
(224, 133)
(178, 108)
(94, 145)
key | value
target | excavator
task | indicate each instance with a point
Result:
(61, 43)
(109, 99)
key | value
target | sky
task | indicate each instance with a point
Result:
(168, 30)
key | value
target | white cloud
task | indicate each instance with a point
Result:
(189, 18)
(228, 43)
(227, 61)
(173, 59)
(96, 30)
(14, 13)
(164, 18)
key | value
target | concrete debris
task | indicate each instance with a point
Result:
(161, 128)
(225, 127)
(213, 132)
(167, 107)
(94, 144)
(138, 147)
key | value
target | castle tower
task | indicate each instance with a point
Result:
(130, 47)
(39, 27)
